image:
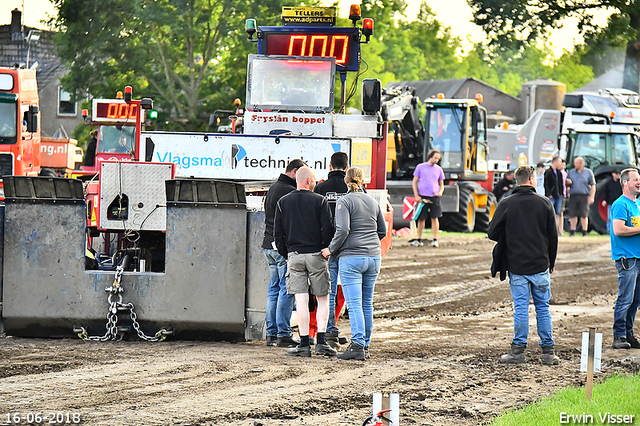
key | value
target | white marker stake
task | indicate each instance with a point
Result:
(597, 360)
(385, 402)
(591, 344)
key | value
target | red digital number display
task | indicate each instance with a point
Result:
(311, 45)
(116, 111)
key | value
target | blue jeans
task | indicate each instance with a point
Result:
(557, 205)
(628, 301)
(538, 286)
(333, 273)
(279, 303)
(358, 276)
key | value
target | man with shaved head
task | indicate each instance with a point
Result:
(581, 195)
(303, 227)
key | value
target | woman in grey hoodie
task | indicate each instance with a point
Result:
(360, 226)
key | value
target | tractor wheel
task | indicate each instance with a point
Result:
(483, 218)
(465, 219)
(598, 210)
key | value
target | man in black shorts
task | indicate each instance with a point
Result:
(303, 226)
(581, 195)
(428, 186)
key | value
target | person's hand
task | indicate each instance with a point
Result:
(418, 199)
(569, 181)
(551, 270)
(326, 253)
(590, 200)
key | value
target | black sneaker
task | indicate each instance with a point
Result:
(354, 351)
(286, 342)
(272, 341)
(572, 233)
(304, 351)
(620, 343)
(635, 344)
(326, 350)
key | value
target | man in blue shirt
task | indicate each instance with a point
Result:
(625, 250)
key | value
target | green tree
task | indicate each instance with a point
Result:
(514, 22)
(189, 55)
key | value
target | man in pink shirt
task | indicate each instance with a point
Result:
(428, 186)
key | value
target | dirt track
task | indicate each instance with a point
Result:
(441, 323)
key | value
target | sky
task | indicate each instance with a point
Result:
(455, 14)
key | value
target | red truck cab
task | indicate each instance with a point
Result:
(19, 130)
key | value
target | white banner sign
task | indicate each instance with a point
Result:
(298, 124)
(245, 157)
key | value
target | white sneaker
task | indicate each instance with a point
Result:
(416, 243)
(434, 243)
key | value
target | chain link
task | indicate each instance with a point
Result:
(112, 317)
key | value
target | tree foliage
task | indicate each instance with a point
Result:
(190, 56)
(512, 23)
(186, 54)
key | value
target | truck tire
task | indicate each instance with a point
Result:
(483, 218)
(598, 210)
(465, 219)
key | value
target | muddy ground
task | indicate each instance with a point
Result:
(441, 323)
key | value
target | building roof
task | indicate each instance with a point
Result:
(428, 88)
(14, 48)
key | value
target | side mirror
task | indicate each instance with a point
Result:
(572, 101)
(31, 117)
(146, 103)
(371, 96)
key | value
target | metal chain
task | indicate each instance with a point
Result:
(112, 317)
(159, 336)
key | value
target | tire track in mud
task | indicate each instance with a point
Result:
(440, 326)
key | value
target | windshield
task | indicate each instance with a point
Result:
(592, 148)
(116, 139)
(622, 150)
(445, 135)
(8, 120)
(290, 84)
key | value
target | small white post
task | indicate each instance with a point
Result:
(386, 402)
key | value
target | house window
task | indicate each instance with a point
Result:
(65, 105)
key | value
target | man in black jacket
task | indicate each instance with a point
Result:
(303, 227)
(335, 187)
(554, 188)
(526, 222)
(504, 185)
(279, 303)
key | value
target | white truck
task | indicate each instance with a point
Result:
(289, 115)
(603, 128)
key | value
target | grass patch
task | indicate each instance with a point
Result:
(618, 395)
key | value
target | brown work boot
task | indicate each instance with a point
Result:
(515, 355)
(549, 357)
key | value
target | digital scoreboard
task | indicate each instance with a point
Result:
(341, 43)
(114, 111)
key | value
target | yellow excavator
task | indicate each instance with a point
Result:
(458, 129)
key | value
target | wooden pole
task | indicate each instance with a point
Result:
(590, 362)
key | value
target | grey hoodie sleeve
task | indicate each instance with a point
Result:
(343, 226)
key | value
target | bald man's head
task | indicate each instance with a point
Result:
(306, 178)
